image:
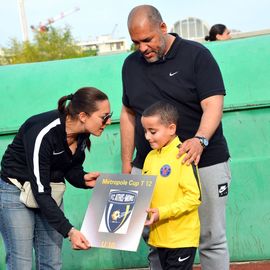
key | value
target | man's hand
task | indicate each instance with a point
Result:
(212, 113)
(154, 216)
(90, 179)
(127, 131)
(78, 240)
(193, 149)
(126, 167)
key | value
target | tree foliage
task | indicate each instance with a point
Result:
(49, 45)
(132, 47)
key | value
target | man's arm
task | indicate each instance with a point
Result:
(212, 113)
(127, 130)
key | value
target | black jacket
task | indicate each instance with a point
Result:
(40, 154)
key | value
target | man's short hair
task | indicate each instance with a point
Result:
(167, 112)
(152, 14)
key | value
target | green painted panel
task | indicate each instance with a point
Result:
(247, 132)
(29, 89)
(33, 88)
(245, 66)
(248, 215)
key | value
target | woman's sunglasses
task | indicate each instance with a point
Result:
(106, 117)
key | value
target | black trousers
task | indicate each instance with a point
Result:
(177, 258)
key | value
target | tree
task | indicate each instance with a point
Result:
(49, 45)
(132, 47)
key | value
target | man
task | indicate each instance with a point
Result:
(184, 73)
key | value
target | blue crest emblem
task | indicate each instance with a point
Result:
(119, 208)
(165, 170)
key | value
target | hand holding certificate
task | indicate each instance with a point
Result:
(116, 213)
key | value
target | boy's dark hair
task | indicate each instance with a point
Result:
(167, 112)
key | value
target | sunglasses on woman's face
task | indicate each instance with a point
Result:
(106, 117)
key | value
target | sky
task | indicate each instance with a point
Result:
(101, 17)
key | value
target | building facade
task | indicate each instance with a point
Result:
(191, 28)
(105, 44)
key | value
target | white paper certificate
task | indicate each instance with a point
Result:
(117, 211)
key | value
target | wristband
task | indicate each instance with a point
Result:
(203, 141)
(70, 233)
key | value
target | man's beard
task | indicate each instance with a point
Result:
(159, 54)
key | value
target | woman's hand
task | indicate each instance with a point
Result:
(90, 179)
(78, 240)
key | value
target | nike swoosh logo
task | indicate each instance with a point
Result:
(222, 189)
(181, 260)
(173, 73)
(58, 153)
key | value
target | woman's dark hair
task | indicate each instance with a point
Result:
(83, 100)
(167, 112)
(217, 29)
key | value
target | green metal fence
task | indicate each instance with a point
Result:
(28, 89)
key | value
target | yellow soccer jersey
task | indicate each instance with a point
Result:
(177, 195)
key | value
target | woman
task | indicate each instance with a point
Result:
(48, 148)
(218, 32)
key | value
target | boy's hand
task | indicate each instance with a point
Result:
(90, 179)
(154, 216)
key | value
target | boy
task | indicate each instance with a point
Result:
(173, 216)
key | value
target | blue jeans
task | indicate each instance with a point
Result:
(24, 229)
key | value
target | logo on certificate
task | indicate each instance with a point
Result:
(118, 211)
